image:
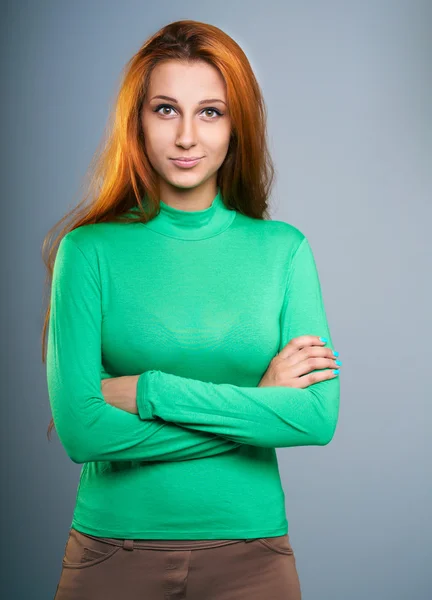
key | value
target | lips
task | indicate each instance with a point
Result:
(185, 163)
(183, 158)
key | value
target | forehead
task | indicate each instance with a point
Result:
(187, 81)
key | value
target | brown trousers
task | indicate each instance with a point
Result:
(98, 568)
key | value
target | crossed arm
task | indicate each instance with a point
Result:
(165, 416)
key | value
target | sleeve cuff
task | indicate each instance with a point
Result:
(142, 400)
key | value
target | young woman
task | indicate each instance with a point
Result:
(187, 340)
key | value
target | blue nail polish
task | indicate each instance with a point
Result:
(335, 353)
(323, 339)
(338, 362)
(336, 371)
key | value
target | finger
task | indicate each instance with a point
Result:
(298, 343)
(311, 364)
(316, 377)
(312, 355)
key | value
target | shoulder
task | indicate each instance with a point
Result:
(87, 235)
(84, 244)
(280, 234)
(92, 238)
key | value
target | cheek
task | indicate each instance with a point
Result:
(156, 146)
(222, 148)
(156, 137)
(225, 138)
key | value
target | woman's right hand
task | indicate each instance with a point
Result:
(300, 356)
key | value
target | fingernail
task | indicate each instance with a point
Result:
(323, 339)
(336, 371)
(335, 353)
(338, 362)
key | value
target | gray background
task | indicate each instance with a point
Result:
(348, 90)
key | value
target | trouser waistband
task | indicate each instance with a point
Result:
(129, 544)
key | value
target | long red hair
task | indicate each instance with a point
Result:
(120, 172)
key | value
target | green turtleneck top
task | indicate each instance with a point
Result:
(196, 303)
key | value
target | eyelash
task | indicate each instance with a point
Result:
(208, 108)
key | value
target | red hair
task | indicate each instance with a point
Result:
(120, 171)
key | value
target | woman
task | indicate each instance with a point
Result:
(187, 340)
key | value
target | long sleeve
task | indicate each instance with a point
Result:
(260, 416)
(89, 428)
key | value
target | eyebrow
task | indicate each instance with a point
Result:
(201, 101)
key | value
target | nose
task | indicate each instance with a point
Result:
(186, 134)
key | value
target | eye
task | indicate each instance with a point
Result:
(162, 106)
(210, 109)
(215, 111)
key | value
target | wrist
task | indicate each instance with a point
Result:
(144, 407)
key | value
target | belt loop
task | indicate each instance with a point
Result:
(128, 544)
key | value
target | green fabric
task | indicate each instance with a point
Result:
(196, 303)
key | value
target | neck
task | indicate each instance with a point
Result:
(192, 224)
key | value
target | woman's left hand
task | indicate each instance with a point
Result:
(121, 392)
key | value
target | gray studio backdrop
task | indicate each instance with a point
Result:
(348, 91)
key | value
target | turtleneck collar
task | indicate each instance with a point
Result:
(192, 225)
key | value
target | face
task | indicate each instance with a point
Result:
(192, 122)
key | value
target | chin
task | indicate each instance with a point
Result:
(186, 180)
